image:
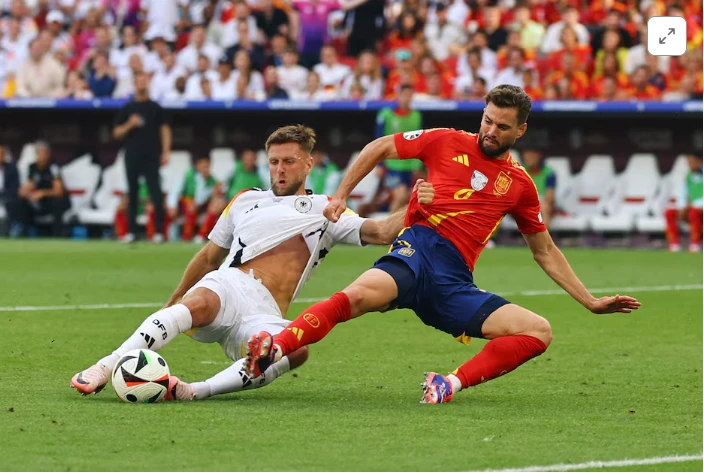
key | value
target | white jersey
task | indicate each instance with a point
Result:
(256, 221)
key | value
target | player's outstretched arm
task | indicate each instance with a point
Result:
(555, 265)
(372, 154)
(208, 259)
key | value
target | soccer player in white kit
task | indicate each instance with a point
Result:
(271, 242)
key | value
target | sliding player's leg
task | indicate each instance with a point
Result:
(200, 307)
(374, 290)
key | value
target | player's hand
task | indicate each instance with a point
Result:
(334, 209)
(135, 121)
(611, 304)
(426, 191)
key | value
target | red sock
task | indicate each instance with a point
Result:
(208, 224)
(120, 224)
(498, 357)
(189, 226)
(151, 225)
(672, 230)
(695, 225)
(315, 323)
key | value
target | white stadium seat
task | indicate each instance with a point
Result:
(263, 168)
(591, 189)
(80, 177)
(108, 195)
(633, 196)
(222, 164)
(174, 172)
(670, 185)
(563, 177)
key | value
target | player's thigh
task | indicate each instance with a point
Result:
(512, 319)
(214, 301)
(373, 291)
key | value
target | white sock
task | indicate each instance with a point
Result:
(234, 379)
(456, 383)
(156, 331)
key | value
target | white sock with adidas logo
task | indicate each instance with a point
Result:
(156, 331)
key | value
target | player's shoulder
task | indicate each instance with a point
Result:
(244, 197)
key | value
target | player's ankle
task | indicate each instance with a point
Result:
(278, 352)
(456, 383)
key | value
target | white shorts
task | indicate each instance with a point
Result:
(246, 308)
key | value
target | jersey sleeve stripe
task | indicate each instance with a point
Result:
(227, 209)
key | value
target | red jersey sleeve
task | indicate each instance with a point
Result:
(527, 210)
(417, 144)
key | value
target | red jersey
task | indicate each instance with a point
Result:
(473, 191)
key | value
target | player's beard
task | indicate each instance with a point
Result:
(291, 187)
(493, 152)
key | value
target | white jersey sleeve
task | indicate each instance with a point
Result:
(347, 229)
(223, 233)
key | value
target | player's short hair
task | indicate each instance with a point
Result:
(511, 96)
(301, 134)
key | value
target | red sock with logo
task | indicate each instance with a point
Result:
(498, 357)
(315, 323)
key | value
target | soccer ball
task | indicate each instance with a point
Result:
(141, 376)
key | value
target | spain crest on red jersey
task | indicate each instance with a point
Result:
(502, 183)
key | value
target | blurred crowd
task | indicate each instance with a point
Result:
(344, 49)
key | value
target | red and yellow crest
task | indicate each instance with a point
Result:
(502, 183)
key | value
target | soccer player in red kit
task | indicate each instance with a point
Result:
(429, 267)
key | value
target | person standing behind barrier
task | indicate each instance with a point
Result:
(144, 126)
(688, 208)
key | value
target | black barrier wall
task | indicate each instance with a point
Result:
(575, 135)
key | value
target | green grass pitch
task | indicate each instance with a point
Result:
(626, 386)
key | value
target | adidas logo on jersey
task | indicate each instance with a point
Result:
(461, 159)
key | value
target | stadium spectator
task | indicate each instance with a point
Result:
(474, 70)
(433, 89)
(688, 208)
(332, 74)
(101, 41)
(655, 77)
(21, 13)
(441, 33)
(144, 126)
(120, 56)
(367, 25)
(255, 86)
(61, 40)
(101, 78)
(15, 45)
(43, 194)
(245, 175)
(292, 77)
(203, 71)
(40, 75)
(356, 92)
(225, 86)
(407, 28)
(154, 59)
(686, 91)
(640, 88)
(314, 90)
(271, 20)
(257, 54)
(545, 181)
(496, 34)
(573, 82)
(513, 41)
(163, 18)
(480, 40)
(570, 18)
(196, 194)
(513, 72)
(611, 44)
(612, 22)
(531, 32)
(531, 84)
(404, 73)
(126, 79)
(164, 81)
(231, 35)
(272, 88)
(179, 90)
(87, 32)
(399, 175)
(569, 42)
(324, 176)
(610, 68)
(77, 87)
(275, 55)
(312, 27)
(367, 74)
(189, 56)
(9, 187)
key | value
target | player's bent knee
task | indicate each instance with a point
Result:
(373, 291)
(204, 306)
(542, 330)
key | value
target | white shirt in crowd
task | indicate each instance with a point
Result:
(224, 89)
(193, 88)
(441, 37)
(292, 79)
(164, 82)
(256, 84)
(230, 35)
(162, 16)
(510, 76)
(120, 57)
(332, 76)
(188, 57)
(551, 41)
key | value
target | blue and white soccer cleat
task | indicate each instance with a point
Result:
(260, 354)
(436, 389)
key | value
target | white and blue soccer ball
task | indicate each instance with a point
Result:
(141, 376)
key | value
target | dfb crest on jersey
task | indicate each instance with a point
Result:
(303, 204)
(502, 183)
(412, 135)
(479, 181)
